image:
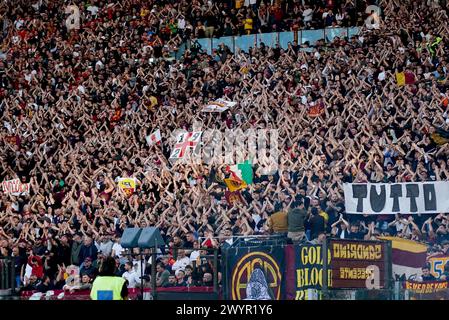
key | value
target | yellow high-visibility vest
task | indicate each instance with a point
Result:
(107, 288)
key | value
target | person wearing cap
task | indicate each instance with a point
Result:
(107, 286)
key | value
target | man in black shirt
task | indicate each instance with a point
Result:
(19, 264)
(188, 243)
(45, 285)
(354, 232)
(316, 223)
(426, 275)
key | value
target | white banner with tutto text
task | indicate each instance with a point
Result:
(391, 198)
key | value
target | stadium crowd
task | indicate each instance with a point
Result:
(76, 108)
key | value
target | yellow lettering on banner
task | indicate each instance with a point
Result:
(310, 277)
(359, 274)
(343, 252)
(342, 273)
(366, 253)
(426, 288)
(315, 276)
(357, 251)
(378, 252)
(301, 295)
(304, 255)
(360, 251)
(311, 255)
(352, 251)
(354, 273)
(336, 252)
(300, 277)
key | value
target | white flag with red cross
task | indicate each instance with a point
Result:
(185, 142)
(154, 138)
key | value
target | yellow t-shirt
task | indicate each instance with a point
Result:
(239, 3)
(144, 12)
(325, 216)
(153, 102)
(248, 24)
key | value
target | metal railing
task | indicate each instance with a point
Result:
(269, 39)
(7, 276)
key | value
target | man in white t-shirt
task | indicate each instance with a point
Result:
(131, 275)
(117, 250)
(195, 254)
(181, 261)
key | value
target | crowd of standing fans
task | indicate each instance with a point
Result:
(76, 106)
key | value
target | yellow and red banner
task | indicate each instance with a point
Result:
(128, 185)
(234, 184)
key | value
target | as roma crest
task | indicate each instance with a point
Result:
(256, 276)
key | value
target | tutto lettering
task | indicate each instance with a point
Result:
(409, 191)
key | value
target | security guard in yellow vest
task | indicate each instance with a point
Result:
(107, 286)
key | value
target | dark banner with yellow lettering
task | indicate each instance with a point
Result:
(254, 273)
(358, 264)
(304, 272)
(429, 290)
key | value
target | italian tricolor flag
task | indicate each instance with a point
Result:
(241, 176)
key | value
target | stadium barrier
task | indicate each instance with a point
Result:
(7, 276)
(175, 293)
(245, 42)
